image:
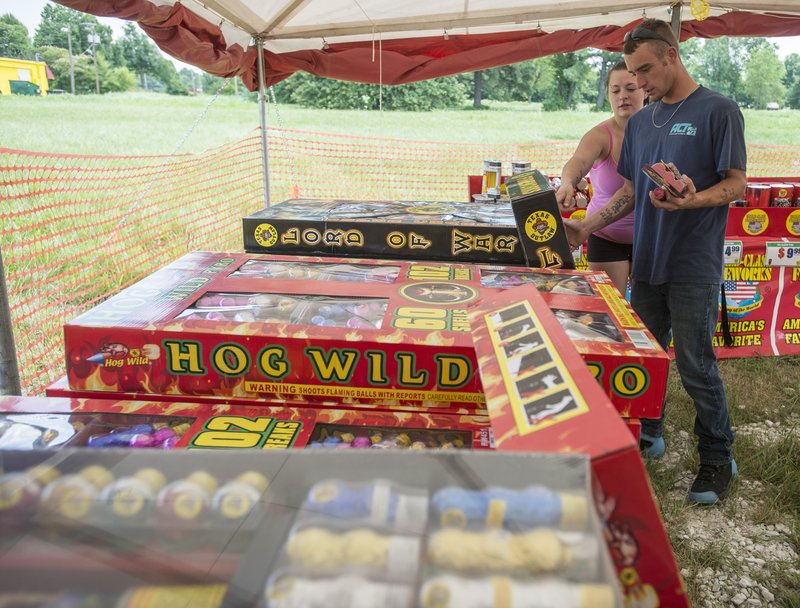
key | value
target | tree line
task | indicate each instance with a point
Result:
(746, 69)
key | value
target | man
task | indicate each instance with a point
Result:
(678, 242)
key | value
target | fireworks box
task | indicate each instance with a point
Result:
(61, 388)
(613, 342)
(538, 217)
(445, 231)
(226, 327)
(376, 333)
(37, 423)
(541, 398)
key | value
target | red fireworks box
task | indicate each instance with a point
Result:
(375, 333)
(613, 342)
(540, 397)
(378, 334)
(37, 422)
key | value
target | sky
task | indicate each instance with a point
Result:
(29, 11)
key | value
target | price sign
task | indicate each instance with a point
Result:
(782, 253)
(733, 253)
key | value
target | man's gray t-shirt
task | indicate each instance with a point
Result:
(703, 139)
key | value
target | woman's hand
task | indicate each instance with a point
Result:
(565, 196)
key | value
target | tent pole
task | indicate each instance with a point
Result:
(262, 110)
(676, 21)
(9, 368)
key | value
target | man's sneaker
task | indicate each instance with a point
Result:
(712, 483)
(652, 447)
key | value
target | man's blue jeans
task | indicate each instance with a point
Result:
(690, 311)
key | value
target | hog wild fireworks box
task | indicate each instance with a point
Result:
(378, 334)
(232, 325)
(445, 231)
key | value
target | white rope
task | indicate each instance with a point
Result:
(168, 160)
(282, 134)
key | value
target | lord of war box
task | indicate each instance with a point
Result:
(376, 333)
(445, 231)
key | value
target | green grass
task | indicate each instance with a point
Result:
(151, 123)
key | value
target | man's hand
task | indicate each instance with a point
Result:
(576, 232)
(661, 198)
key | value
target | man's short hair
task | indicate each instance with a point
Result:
(653, 31)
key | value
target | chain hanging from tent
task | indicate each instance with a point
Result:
(168, 160)
(295, 192)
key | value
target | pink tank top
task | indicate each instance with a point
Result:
(605, 182)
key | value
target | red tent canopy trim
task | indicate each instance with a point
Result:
(192, 39)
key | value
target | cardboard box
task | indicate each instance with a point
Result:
(70, 422)
(377, 333)
(445, 231)
(266, 516)
(197, 328)
(538, 217)
(613, 342)
(540, 397)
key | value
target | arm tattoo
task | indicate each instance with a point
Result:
(615, 211)
(726, 195)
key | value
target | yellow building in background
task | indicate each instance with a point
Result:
(18, 76)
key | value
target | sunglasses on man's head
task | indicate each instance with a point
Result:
(642, 33)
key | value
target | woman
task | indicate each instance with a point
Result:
(597, 154)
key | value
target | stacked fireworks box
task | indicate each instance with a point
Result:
(526, 230)
(418, 230)
(271, 361)
(466, 529)
(121, 421)
(295, 529)
(336, 333)
(618, 349)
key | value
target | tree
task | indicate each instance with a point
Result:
(764, 74)
(118, 80)
(139, 54)
(55, 18)
(315, 92)
(519, 81)
(605, 61)
(112, 78)
(477, 89)
(14, 40)
(572, 72)
(718, 63)
(792, 65)
(57, 60)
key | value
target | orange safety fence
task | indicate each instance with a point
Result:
(76, 229)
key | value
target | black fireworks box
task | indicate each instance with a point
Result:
(442, 231)
(538, 218)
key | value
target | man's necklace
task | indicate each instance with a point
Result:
(675, 111)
